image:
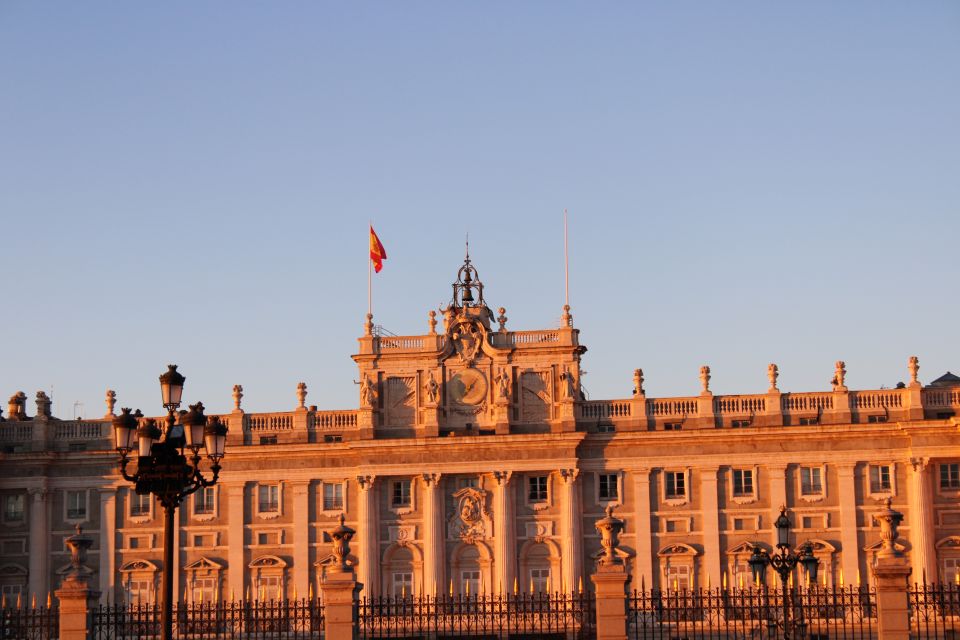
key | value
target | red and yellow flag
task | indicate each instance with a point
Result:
(377, 253)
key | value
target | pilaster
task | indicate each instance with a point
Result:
(368, 550)
(433, 535)
(571, 528)
(236, 520)
(849, 544)
(505, 549)
(710, 515)
(643, 567)
(778, 497)
(108, 544)
(301, 537)
(39, 563)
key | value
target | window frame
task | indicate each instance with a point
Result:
(537, 503)
(333, 510)
(401, 507)
(268, 514)
(880, 491)
(811, 496)
(67, 517)
(744, 497)
(953, 477)
(675, 499)
(22, 497)
(617, 477)
(215, 504)
(134, 498)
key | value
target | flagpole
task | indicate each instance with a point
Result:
(566, 263)
(369, 273)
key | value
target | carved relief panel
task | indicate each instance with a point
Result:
(401, 400)
(534, 396)
(469, 520)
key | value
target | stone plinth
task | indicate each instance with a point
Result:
(610, 583)
(893, 619)
(340, 590)
(77, 599)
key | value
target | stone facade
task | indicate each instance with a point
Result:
(473, 463)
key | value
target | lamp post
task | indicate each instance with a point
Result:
(783, 562)
(163, 466)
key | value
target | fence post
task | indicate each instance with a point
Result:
(890, 572)
(340, 589)
(610, 582)
(77, 599)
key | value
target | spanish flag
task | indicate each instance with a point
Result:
(377, 253)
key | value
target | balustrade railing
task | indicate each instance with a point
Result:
(605, 409)
(270, 421)
(940, 398)
(13, 432)
(739, 405)
(806, 402)
(672, 407)
(324, 420)
(892, 399)
(78, 430)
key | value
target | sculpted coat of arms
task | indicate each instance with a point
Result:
(467, 338)
(470, 519)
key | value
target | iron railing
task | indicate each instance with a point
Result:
(29, 623)
(934, 610)
(813, 612)
(251, 620)
(517, 616)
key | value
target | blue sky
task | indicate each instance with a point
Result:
(748, 182)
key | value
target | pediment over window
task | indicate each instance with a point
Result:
(204, 564)
(139, 565)
(950, 542)
(745, 548)
(820, 546)
(268, 562)
(12, 570)
(679, 549)
(878, 545)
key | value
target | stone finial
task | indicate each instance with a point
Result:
(432, 322)
(111, 400)
(566, 320)
(913, 365)
(839, 374)
(78, 544)
(302, 395)
(705, 379)
(638, 382)
(237, 396)
(609, 528)
(502, 319)
(433, 390)
(889, 522)
(773, 372)
(368, 325)
(43, 404)
(342, 536)
(17, 406)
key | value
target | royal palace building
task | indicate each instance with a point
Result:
(473, 463)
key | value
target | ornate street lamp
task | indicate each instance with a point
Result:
(163, 466)
(783, 562)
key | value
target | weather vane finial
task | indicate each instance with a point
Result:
(467, 259)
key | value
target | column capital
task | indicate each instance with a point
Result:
(39, 493)
(502, 477)
(365, 482)
(431, 480)
(919, 464)
(107, 492)
(568, 476)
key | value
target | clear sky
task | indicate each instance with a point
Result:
(748, 182)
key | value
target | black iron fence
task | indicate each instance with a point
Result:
(814, 613)
(516, 616)
(934, 610)
(33, 623)
(250, 620)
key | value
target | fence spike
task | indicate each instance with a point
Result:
(19, 600)
(580, 584)
(516, 585)
(33, 601)
(50, 600)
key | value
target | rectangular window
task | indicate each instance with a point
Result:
(739, 424)
(332, 496)
(13, 547)
(268, 498)
(268, 537)
(540, 580)
(204, 590)
(811, 481)
(138, 592)
(471, 483)
(203, 540)
(608, 486)
(806, 422)
(400, 496)
(402, 583)
(673, 426)
(537, 488)
(139, 505)
(470, 579)
(950, 476)
(880, 478)
(741, 524)
(742, 482)
(203, 501)
(138, 542)
(13, 508)
(76, 505)
(268, 440)
(676, 484)
(333, 437)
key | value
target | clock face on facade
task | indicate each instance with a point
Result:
(468, 387)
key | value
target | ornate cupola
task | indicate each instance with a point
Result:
(467, 298)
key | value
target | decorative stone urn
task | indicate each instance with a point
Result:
(609, 528)
(890, 520)
(78, 545)
(342, 536)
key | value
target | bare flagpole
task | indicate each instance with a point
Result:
(566, 263)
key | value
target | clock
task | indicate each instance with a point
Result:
(468, 387)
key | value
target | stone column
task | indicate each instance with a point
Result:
(710, 510)
(571, 529)
(236, 578)
(39, 564)
(778, 497)
(368, 550)
(849, 546)
(924, 554)
(505, 549)
(643, 568)
(434, 539)
(108, 544)
(301, 538)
